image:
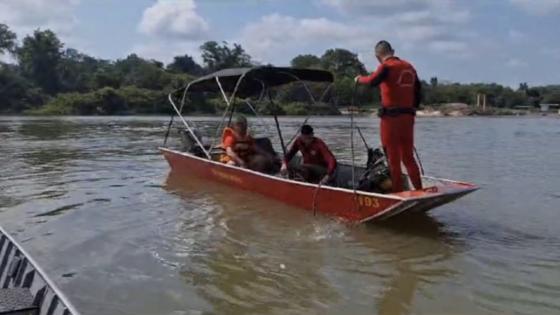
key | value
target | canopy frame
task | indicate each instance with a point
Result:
(264, 91)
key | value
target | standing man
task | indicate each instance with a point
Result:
(400, 96)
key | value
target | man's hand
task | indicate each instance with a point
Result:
(242, 163)
(284, 169)
(325, 180)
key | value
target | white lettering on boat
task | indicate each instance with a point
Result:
(227, 176)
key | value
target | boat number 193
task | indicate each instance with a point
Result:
(368, 202)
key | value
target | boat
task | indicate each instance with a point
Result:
(25, 289)
(343, 200)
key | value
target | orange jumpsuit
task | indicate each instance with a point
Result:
(400, 96)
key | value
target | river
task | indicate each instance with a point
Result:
(92, 200)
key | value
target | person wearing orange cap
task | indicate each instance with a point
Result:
(400, 97)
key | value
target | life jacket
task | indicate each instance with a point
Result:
(243, 146)
(398, 90)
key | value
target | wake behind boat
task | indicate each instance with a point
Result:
(346, 198)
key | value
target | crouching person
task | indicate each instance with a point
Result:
(319, 164)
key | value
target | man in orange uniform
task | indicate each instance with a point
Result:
(400, 96)
(241, 149)
(238, 143)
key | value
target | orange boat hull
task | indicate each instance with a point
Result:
(338, 202)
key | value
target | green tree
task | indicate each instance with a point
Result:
(434, 82)
(216, 56)
(185, 64)
(76, 71)
(39, 58)
(342, 63)
(552, 98)
(142, 73)
(7, 39)
(306, 61)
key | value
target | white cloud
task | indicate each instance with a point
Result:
(516, 36)
(412, 11)
(538, 7)
(516, 63)
(276, 36)
(449, 46)
(173, 19)
(24, 16)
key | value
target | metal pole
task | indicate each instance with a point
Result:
(168, 129)
(189, 127)
(258, 116)
(352, 149)
(277, 124)
(419, 161)
(362, 136)
(219, 129)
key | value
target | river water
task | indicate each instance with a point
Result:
(93, 201)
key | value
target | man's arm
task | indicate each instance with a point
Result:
(376, 77)
(228, 144)
(290, 154)
(328, 157)
(235, 157)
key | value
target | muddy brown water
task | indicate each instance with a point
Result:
(93, 201)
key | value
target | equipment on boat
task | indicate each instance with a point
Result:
(376, 177)
(357, 193)
(25, 288)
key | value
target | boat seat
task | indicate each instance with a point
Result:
(17, 301)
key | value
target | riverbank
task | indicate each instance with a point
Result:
(138, 102)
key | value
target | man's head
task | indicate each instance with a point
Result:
(239, 124)
(383, 50)
(306, 134)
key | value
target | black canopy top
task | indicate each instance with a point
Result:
(253, 80)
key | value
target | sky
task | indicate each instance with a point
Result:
(503, 41)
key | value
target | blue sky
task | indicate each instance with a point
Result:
(504, 41)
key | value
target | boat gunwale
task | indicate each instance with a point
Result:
(50, 283)
(469, 189)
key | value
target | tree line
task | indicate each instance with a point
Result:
(49, 78)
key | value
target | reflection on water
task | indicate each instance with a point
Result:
(92, 198)
(243, 276)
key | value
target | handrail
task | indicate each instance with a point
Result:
(170, 97)
(42, 273)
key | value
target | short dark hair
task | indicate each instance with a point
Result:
(384, 47)
(306, 130)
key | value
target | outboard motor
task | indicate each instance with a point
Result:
(377, 177)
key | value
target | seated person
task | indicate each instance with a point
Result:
(241, 150)
(319, 164)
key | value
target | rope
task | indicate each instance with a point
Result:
(315, 194)
(352, 145)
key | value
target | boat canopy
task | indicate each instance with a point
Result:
(246, 82)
